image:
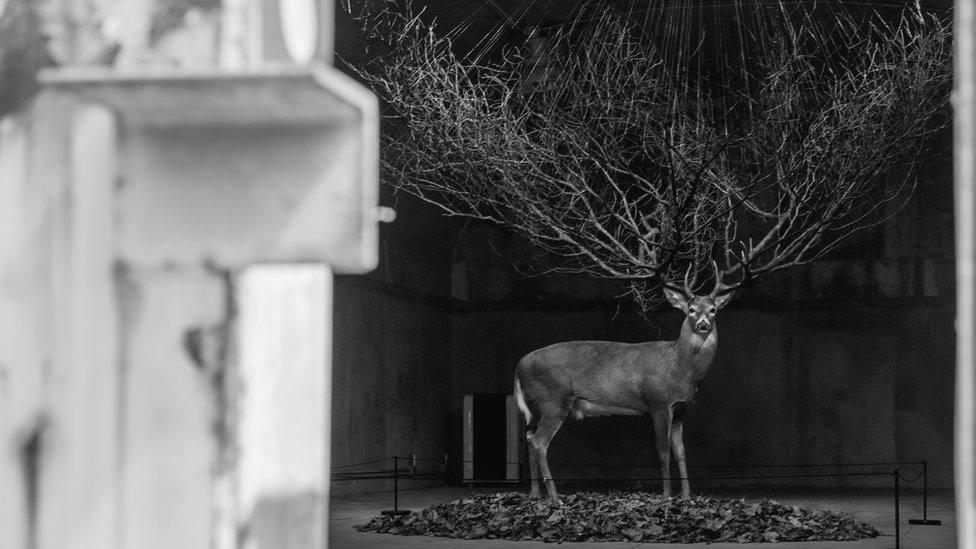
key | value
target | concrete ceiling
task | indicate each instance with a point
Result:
(472, 20)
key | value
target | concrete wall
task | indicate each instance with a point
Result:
(391, 378)
(392, 348)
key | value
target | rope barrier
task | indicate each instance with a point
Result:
(371, 462)
(633, 466)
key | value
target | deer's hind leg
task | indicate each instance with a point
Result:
(533, 463)
(538, 448)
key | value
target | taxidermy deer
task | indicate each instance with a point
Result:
(658, 379)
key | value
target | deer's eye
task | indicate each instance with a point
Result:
(711, 311)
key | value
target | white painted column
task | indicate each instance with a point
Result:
(513, 438)
(20, 377)
(964, 101)
(467, 452)
(285, 353)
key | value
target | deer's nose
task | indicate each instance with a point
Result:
(703, 326)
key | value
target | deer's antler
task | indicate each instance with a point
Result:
(720, 287)
(686, 289)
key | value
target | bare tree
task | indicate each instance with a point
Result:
(633, 161)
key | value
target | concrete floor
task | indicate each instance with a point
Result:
(875, 507)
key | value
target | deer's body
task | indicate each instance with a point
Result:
(595, 378)
(579, 379)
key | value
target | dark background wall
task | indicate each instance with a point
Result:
(849, 359)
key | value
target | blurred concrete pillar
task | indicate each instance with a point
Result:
(964, 102)
(206, 176)
(149, 221)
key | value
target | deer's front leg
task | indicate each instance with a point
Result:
(662, 437)
(678, 443)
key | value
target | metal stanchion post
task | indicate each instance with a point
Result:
(396, 491)
(925, 490)
(897, 474)
(925, 500)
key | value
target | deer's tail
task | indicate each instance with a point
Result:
(520, 400)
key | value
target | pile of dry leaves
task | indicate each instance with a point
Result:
(622, 516)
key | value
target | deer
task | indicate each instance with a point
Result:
(656, 379)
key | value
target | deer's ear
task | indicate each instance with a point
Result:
(723, 300)
(676, 298)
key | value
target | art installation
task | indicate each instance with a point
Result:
(646, 143)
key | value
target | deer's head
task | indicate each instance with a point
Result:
(699, 309)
